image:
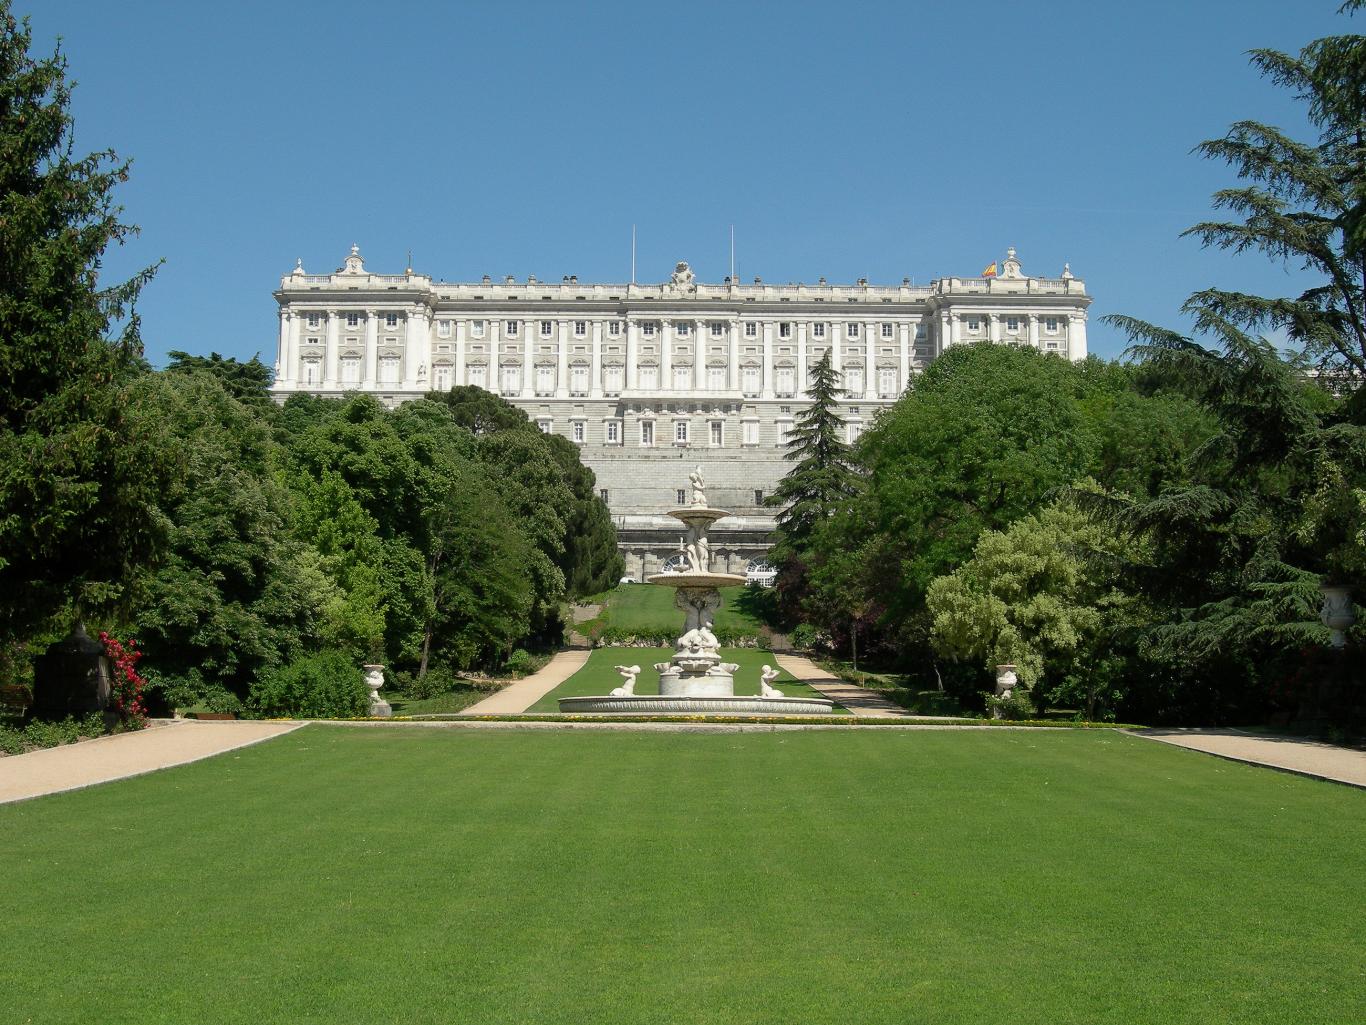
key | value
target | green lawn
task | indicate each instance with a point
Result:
(649, 609)
(598, 676)
(354, 874)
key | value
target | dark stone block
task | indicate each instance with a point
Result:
(72, 678)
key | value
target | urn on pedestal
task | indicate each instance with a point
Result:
(374, 679)
(1337, 613)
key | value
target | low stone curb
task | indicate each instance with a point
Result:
(1171, 741)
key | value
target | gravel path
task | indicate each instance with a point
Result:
(859, 700)
(1290, 754)
(519, 696)
(72, 766)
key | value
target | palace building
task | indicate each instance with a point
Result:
(652, 380)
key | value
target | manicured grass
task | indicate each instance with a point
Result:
(360, 874)
(649, 609)
(453, 701)
(599, 675)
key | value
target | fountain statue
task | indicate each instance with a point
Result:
(695, 679)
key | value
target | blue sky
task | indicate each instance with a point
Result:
(876, 140)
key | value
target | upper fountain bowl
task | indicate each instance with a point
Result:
(698, 514)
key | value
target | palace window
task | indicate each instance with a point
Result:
(855, 429)
(478, 376)
(920, 332)
(750, 381)
(547, 328)
(391, 320)
(648, 378)
(648, 328)
(973, 323)
(441, 378)
(751, 329)
(350, 370)
(680, 496)
(545, 424)
(749, 434)
(443, 329)
(611, 380)
(510, 328)
(758, 497)
(353, 320)
(545, 380)
(717, 329)
(888, 330)
(312, 320)
(388, 370)
(784, 330)
(784, 432)
(476, 329)
(886, 381)
(853, 382)
(682, 328)
(1050, 324)
(784, 381)
(611, 430)
(716, 433)
(817, 330)
(580, 328)
(614, 328)
(647, 433)
(310, 371)
(602, 493)
(510, 380)
(851, 330)
(1012, 323)
(682, 378)
(680, 436)
(716, 378)
(578, 379)
(578, 431)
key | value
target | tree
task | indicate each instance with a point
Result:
(80, 463)
(247, 382)
(824, 477)
(1303, 202)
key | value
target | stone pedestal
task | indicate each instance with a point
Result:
(374, 679)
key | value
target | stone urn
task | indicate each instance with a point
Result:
(1006, 682)
(1337, 613)
(374, 679)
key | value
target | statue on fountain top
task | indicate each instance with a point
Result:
(699, 485)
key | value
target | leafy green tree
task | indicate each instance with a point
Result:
(80, 464)
(1045, 595)
(247, 382)
(1302, 202)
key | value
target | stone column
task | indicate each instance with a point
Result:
(701, 343)
(733, 356)
(296, 327)
(993, 327)
(370, 373)
(331, 352)
(562, 361)
(836, 348)
(282, 359)
(595, 363)
(767, 369)
(414, 354)
(666, 357)
(528, 359)
(629, 384)
(800, 337)
(1076, 336)
(906, 330)
(1033, 321)
(955, 329)
(459, 339)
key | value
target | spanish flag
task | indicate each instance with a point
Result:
(990, 272)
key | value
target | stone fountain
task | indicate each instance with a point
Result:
(695, 679)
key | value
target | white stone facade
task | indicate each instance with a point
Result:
(653, 379)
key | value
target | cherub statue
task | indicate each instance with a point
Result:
(766, 688)
(629, 674)
(699, 485)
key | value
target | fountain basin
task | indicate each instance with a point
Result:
(664, 704)
(699, 580)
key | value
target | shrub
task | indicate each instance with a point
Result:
(165, 691)
(324, 686)
(1018, 706)
(805, 636)
(520, 663)
(439, 680)
(41, 733)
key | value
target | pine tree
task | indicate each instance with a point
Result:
(80, 465)
(824, 475)
(1304, 203)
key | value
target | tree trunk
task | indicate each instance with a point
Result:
(426, 650)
